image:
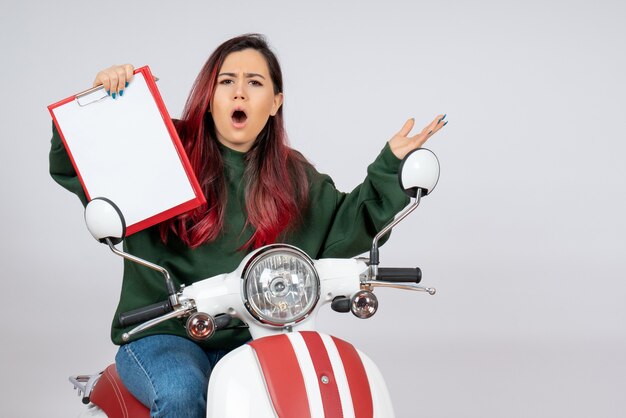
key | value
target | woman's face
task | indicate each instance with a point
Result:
(244, 99)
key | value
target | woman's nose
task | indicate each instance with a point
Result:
(240, 92)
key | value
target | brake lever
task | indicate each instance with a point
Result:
(408, 286)
(185, 307)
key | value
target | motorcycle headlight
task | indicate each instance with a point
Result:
(280, 285)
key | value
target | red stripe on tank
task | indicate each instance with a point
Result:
(321, 362)
(283, 376)
(357, 379)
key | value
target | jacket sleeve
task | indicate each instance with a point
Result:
(359, 215)
(61, 168)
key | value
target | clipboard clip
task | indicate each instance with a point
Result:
(93, 95)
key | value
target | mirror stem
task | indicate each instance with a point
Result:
(374, 251)
(168, 281)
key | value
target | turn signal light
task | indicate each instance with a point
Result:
(200, 326)
(364, 304)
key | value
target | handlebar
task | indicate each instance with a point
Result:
(399, 274)
(144, 314)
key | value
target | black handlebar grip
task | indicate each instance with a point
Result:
(144, 314)
(399, 274)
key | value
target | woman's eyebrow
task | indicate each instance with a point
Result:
(247, 75)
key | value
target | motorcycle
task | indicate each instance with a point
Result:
(288, 370)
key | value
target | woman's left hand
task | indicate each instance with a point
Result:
(401, 143)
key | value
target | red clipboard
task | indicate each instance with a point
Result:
(128, 151)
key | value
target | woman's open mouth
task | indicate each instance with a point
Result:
(239, 118)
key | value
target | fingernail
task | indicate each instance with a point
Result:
(126, 84)
(445, 124)
(430, 132)
(442, 118)
(108, 92)
(113, 95)
(121, 92)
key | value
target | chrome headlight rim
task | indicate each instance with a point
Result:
(260, 255)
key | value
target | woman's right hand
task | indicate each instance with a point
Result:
(115, 79)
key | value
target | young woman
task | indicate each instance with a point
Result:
(258, 191)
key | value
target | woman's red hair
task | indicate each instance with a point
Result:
(276, 183)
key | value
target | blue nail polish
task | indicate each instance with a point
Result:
(108, 92)
(445, 123)
(113, 95)
(121, 93)
(126, 84)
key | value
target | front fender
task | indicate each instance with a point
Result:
(297, 375)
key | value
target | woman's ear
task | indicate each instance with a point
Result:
(278, 102)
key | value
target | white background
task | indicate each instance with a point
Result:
(523, 237)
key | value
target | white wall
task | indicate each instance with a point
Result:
(522, 237)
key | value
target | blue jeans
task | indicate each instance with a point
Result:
(168, 374)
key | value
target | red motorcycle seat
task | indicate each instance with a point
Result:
(114, 399)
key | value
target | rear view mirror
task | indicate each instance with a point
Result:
(418, 175)
(419, 170)
(105, 220)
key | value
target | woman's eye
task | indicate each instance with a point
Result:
(255, 83)
(227, 81)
